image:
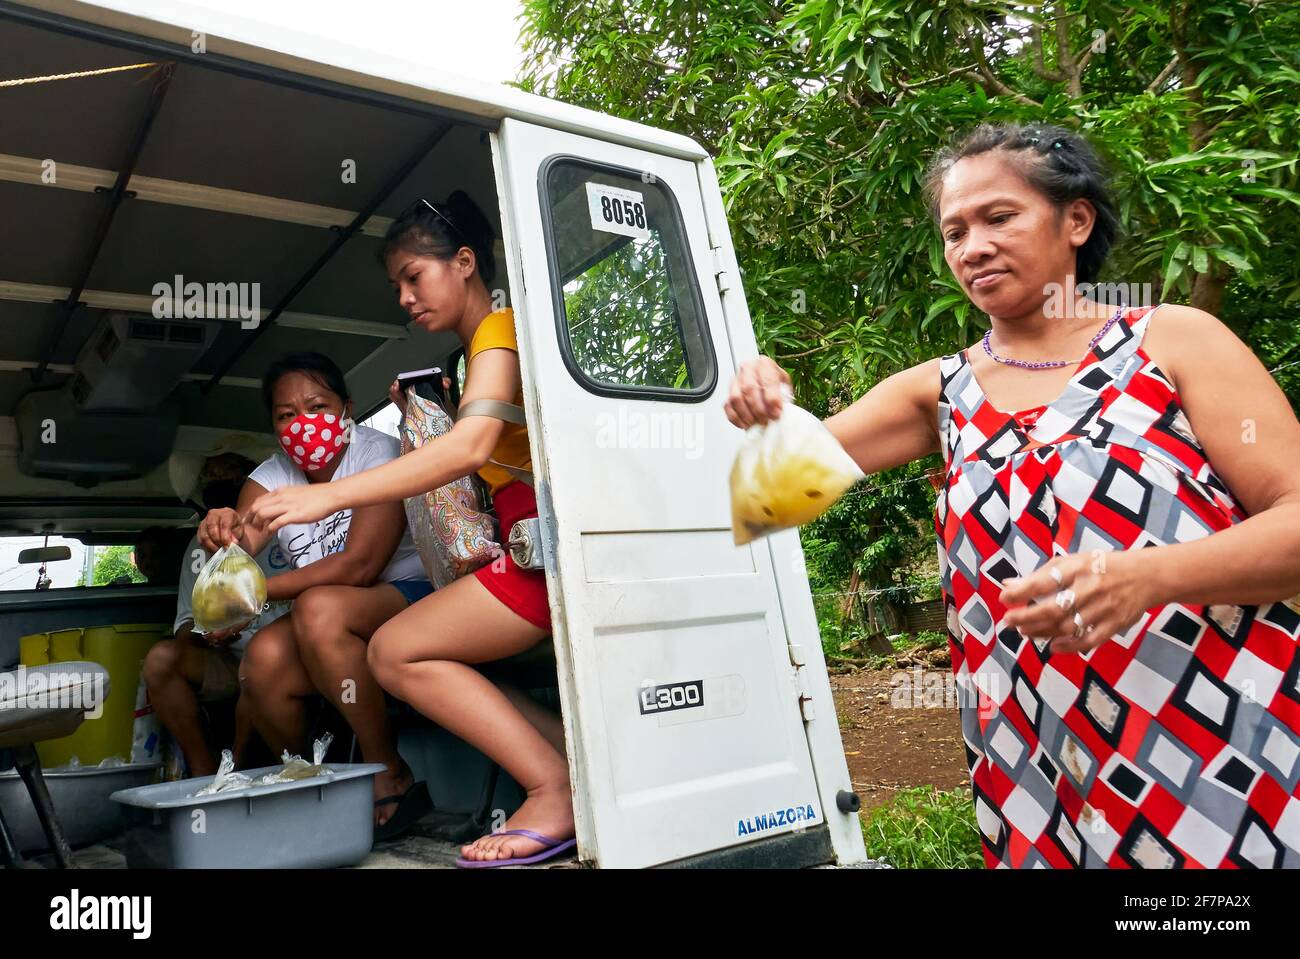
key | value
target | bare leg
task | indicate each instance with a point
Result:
(173, 668)
(547, 722)
(276, 685)
(421, 655)
(243, 730)
(332, 625)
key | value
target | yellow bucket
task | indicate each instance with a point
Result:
(119, 649)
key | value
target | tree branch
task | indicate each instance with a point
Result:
(1197, 129)
(909, 87)
(987, 79)
(1163, 75)
(1037, 64)
(1083, 63)
(1064, 58)
(815, 349)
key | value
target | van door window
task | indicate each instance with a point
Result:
(630, 315)
(86, 565)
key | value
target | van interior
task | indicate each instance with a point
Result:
(200, 170)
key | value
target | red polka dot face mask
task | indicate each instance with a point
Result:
(312, 440)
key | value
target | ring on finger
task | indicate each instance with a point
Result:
(1065, 599)
(1056, 575)
(1080, 627)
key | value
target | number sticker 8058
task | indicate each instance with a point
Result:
(623, 211)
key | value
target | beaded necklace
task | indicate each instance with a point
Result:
(1050, 364)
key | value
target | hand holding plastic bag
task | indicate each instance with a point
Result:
(230, 591)
(787, 472)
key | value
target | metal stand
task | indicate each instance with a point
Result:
(29, 768)
(9, 855)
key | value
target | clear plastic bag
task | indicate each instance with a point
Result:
(295, 767)
(226, 777)
(229, 592)
(787, 472)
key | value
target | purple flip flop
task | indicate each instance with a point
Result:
(553, 848)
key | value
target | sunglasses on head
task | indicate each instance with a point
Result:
(422, 204)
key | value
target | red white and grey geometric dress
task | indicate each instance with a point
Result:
(1175, 744)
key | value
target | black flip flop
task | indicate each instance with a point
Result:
(412, 806)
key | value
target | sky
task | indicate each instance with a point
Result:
(63, 572)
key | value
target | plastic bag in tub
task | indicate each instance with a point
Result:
(229, 591)
(787, 472)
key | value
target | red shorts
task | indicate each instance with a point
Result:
(522, 591)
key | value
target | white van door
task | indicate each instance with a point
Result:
(681, 704)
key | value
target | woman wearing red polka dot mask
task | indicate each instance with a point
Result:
(312, 440)
(349, 573)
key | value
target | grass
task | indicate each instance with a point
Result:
(925, 828)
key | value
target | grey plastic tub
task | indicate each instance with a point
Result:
(81, 801)
(314, 823)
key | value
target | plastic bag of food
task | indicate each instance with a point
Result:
(787, 472)
(226, 777)
(295, 767)
(230, 591)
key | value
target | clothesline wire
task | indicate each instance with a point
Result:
(868, 593)
(23, 81)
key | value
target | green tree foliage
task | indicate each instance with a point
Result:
(822, 115)
(622, 317)
(113, 562)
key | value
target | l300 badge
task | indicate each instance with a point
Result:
(672, 696)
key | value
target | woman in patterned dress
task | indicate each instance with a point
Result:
(1114, 551)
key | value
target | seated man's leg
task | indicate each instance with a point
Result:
(243, 729)
(173, 670)
(276, 687)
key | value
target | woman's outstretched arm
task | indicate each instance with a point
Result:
(894, 423)
(449, 457)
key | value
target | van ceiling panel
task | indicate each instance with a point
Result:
(25, 327)
(343, 348)
(216, 129)
(46, 230)
(226, 407)
(463, 160)
(14, 385)
(352, 284)
(241, 134)
(151, 242)
(87, 121)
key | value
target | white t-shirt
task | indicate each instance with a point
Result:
(305, 543)
(272, 562)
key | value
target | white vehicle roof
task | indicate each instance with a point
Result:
(326, 59)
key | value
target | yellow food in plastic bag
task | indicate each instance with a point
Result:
(787, 473)
(230, 591)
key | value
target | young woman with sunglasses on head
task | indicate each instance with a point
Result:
(440, 261)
